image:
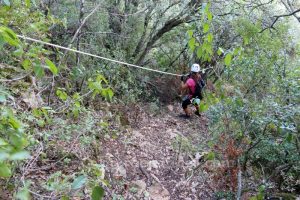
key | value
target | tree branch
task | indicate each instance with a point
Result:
(81, 25)
(279, 16)
(169, 25)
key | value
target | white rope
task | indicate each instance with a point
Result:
(92, 55)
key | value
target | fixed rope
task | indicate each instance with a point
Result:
(100, 57)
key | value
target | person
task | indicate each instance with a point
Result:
(194, 84)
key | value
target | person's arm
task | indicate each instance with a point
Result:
(202, 82)
(184, 85)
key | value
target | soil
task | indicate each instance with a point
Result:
(155, 160)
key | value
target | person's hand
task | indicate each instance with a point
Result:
(200, 77)
(182, 78)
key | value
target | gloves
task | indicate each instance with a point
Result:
(182, 78)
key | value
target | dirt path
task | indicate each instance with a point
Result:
(155, 160)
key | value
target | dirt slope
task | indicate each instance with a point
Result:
(155, 159)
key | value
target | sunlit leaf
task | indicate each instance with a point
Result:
(107, 94)
(14, 123)
(210, 156)
(20, 155)
(220, 51)
(98, 193)
(26, 64)
(101, 78)
(23, 193)
(9, 36)
(2, 142)
(78, 182)
(39, 71)
(62, 95)
(5, 171)
(51, 66)
(227, 59)
(3, 156)
(190, 33)
(19, 52)
(65, 198)
(209, 37)
(7, 2)
(28, 3)
(192, 43)
(205, 27)
(209, 16)
(199, 52)
(203, 107)
(2, 98)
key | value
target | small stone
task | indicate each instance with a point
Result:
(170, 107)
(141, 186)
(153, 164)
(158, 192)
(120, 171)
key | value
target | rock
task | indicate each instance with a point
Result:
(32, 100)
(180, 159)
(120, 172)
(137, 134)
(140, 185)
(170, 107)
(153, 164)
(157, 192)
(173, 133)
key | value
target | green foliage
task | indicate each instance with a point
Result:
(78, 182)
(7, 35)
(224, 195)
(13, 140)
(97, 193)
(203, 47)
(96, 86)
(51, 66)
(227, 59)
(257, 105)
(23, 193)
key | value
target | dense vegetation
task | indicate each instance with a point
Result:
(252, 59)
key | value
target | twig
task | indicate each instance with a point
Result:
(15, 79)
(71, 149)
(28, 165)
(149, 182)
(42, 196)
(239, 192)
(51, 90)
(279, 16)
(156, 179)
(81, 25)
(42, 90)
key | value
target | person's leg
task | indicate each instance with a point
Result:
(197, 110)
(185, 104)
(196, 103)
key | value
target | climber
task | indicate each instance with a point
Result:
(194, 84)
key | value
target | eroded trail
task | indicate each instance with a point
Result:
(158, 158)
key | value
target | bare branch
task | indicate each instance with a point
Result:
(279, 16)
(83, 22)
(290, 8)
(15, 79)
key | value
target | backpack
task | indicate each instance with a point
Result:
(199, 86)
(198, 91)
